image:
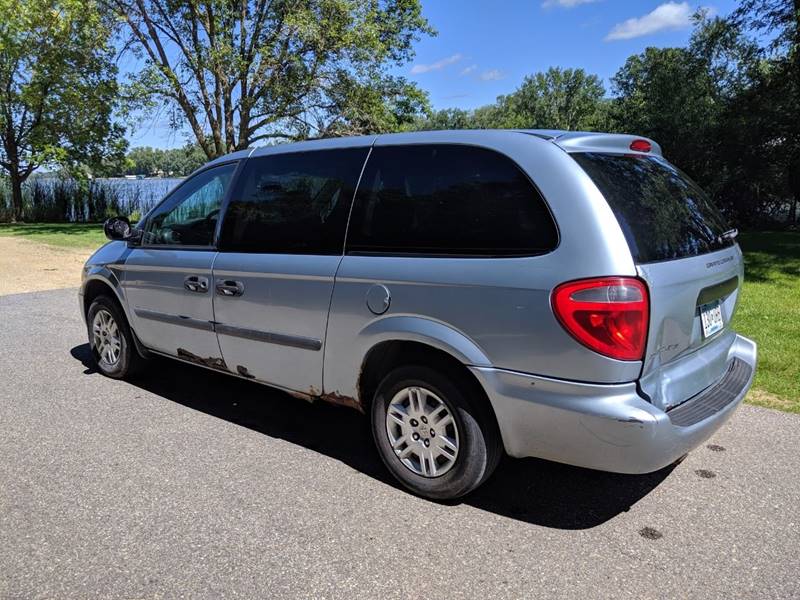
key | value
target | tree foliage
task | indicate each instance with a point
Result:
(177, 162)
(725, 108)
(238, 73)
(682, 118)
(556, 99)
(245, 71)
(732, 120)
(57, 88)
(779, 88)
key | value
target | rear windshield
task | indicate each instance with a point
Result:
(663, 214)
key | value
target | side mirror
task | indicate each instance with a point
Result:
(119, 228)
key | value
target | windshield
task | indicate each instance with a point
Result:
(663, 214)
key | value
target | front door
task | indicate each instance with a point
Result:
(281, 243)
(168, 279)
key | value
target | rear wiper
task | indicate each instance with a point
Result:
(728, 235)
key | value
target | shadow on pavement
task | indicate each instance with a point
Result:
(531, 490)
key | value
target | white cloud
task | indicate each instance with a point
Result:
(492, 75)
(671, 15)
(438, 65)
(564, 3)
(469, 70)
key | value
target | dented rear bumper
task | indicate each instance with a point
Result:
(610, 427)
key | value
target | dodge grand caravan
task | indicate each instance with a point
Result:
(541, 293)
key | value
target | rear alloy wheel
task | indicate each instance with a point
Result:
(111, 340)
(434, 434)
(422, 431)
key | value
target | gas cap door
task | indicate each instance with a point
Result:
(378, 299)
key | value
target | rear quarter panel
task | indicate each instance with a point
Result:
(500, 307)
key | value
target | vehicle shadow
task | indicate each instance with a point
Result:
(531, 490)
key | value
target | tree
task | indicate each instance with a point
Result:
(242, 71)
(668, 94)
(780, 21)
(142, 160)
(178, 162)
(183, 161)
(748, 165)
(730, 121)
(781, 18)
(448, 118)
(557, 99)
(57, 85)
(567, 99)
(381, 104)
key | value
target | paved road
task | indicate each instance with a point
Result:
(192, 484)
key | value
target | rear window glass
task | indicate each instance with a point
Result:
(447, 200)
(293, 203)
(663, 214)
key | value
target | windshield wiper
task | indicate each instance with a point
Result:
(728, 235)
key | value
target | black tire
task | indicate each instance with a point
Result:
(479, 447)
(129, 362)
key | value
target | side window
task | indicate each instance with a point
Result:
(448, 200)
(293, 203)
(189, 216)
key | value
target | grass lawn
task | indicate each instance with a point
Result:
(69, 235)
(769, 308)
(769, 313)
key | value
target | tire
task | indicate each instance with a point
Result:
(106, 323)
(417, 455)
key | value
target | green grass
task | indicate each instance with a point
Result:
(66, 235)
(769, 307)
(769, 313)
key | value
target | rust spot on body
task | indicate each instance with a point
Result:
(331, 398)
(301, 396)
(242, 370)
(210, 362)
(337, 398)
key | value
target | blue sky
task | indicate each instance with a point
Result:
(485, 48)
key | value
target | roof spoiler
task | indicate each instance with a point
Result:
(584, 141)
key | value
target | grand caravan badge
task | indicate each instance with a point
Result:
(719, 262)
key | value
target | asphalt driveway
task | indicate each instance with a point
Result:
(189, 483)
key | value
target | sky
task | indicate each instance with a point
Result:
(484, 48)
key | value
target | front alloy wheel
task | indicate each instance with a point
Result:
(107, 339)
(110, 339)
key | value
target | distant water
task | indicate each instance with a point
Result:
(143, 193)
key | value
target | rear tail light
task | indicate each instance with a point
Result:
(610, 315)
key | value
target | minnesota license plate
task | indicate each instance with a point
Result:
(711, 317)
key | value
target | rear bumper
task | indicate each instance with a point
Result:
(610, 427)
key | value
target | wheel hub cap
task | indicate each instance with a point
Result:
(106, 338)
(422, 432)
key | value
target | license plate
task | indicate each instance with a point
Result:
(711, 317)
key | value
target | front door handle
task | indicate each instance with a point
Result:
(193, 283)
(229, 287)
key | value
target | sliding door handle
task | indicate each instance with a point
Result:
(193, 283)
(229, 287)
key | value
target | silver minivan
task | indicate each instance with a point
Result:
(540, 293)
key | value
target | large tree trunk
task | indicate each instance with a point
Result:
(794, 189)
(16, 196)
